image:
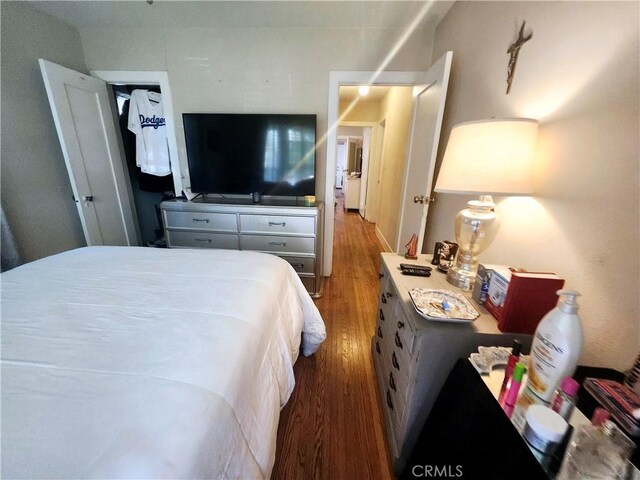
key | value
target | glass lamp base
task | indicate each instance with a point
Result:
(463, 279)
(475, 228)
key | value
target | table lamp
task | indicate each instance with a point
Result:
(485, 157)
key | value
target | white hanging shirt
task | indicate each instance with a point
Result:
(146, 120)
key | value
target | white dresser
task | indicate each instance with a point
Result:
(291, 232)
(413, 356)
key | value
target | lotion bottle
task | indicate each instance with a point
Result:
(556, 347)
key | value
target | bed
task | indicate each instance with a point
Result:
(129, 362)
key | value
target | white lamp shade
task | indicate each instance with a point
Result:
(490, 157)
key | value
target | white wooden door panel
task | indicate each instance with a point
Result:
(86, 130)
(428, 111)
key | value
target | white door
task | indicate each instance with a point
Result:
(430, 94)
(86, 130)
(366, 144)
(372, 200)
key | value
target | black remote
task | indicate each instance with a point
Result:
(409, 266)
(417, 272)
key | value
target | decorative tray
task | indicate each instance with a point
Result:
(442, 305)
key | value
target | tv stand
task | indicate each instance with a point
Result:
(290, 231)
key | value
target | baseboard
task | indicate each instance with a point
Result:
(383, 241)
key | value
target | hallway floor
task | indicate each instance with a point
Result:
(332, 426)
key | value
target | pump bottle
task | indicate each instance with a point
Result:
(556, 347)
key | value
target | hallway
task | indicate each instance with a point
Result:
(331, 428)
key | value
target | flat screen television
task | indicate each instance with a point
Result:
(272, 154)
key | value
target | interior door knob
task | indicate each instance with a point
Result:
(421, 199)
(87, 198)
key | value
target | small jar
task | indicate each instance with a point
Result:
(543, 431)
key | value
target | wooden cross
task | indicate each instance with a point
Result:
(513, 50)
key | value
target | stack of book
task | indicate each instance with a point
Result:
(519, 300)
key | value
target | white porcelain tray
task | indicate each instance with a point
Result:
(442, 305)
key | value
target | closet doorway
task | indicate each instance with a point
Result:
(147, 190)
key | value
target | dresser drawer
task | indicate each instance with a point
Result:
(393, 403)
(403, 327)
(177, 238)
(401, 375)
(386, 302)
(277, 244)
(277, 224)
(301, 264)
(386, 400)
(221, 222)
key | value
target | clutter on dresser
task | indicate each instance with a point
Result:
(415, 269)
(632, 380)
(480, 290)
(565, 397)
(619, 400)
(516, 298)
(508, 371)
(555, 350)
(597, 451)
(443, 255)
(412, 248)
(514, 383)
(442, 305)
(488, 358)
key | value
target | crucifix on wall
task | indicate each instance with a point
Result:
(513, 51)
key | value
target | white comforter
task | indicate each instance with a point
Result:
(123, 362)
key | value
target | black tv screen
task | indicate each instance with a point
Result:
(246, 153)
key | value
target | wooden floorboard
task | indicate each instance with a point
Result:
(332, 427)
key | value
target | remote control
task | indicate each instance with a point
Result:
(418, 272)
(405, 266)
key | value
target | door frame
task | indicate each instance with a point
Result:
(120, 77)
(336, 80)
(364, 124)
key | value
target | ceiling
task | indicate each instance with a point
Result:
(185, 13)
(375, 94)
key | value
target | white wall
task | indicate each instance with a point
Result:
(36, 192)
(237, 69)
(578, 76)
(360, 112)
(349, 132)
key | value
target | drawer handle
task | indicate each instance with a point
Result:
(398, 341)
(278, 244)
(383, 299)
(400, 324)
(381, 315)
(203, 240)
(377, 347)
(389, 402)
(276, 224)
(392, 382)
(198, 220)
(379, 332)
(298, 266)
(394, 361)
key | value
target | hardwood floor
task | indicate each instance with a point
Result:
(332, 426)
